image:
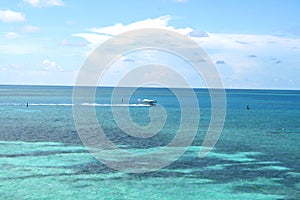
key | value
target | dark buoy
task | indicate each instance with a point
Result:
(248, 107)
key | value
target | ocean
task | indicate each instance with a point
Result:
(42, 155)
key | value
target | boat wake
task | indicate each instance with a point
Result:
(83, 104)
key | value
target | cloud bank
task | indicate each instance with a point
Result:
(243, 60)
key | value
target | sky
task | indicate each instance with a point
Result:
(253, 43)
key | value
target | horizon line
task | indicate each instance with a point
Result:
(111, 86)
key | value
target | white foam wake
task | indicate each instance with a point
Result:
(70, 104)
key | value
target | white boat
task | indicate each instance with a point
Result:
(147, 101)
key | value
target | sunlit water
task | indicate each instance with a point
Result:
(42, 156)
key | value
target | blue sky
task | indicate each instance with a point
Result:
(253, 43)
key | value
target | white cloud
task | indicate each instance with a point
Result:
(49, 65)
(11, 35)
(9, 16)
(99, 35)
(181, 1)
(160, 22)
(44, 3)
(31, 29)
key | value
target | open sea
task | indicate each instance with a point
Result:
(42, 156)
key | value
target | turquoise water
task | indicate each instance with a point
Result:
(42, 156)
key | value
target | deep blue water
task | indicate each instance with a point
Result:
(42, 156)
